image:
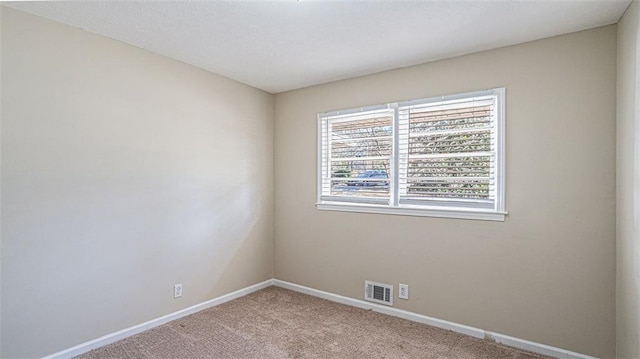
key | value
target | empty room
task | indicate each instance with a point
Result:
(320, 179)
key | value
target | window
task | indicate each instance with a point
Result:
(440, 157)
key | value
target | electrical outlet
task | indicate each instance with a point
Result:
(177, 290)
(403, 291)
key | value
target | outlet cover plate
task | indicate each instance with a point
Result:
(403, 291)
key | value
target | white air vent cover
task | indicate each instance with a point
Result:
(378, 292)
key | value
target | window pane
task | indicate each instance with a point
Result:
(360, 156)
(449, 153)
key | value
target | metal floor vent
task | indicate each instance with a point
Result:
(378, 292)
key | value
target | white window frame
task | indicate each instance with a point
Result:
(448, 210)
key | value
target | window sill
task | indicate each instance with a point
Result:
(458, 213)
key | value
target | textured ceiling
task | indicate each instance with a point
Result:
(283, 45)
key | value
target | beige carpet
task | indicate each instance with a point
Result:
(278, 323)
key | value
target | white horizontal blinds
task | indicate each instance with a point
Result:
(448, 152)
(357, 151)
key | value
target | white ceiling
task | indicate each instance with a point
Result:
(283, 45)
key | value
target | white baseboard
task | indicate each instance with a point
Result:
(537, 347)
(124, 333)
(459, 328)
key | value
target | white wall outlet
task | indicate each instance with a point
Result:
(403, 291)
(177, 290)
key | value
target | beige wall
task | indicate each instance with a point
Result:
(547, 273)
(628, 186)
(123, 172)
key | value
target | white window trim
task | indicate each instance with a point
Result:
(445, 212)
(394, 207)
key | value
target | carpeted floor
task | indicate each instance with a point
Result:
(278, 323)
